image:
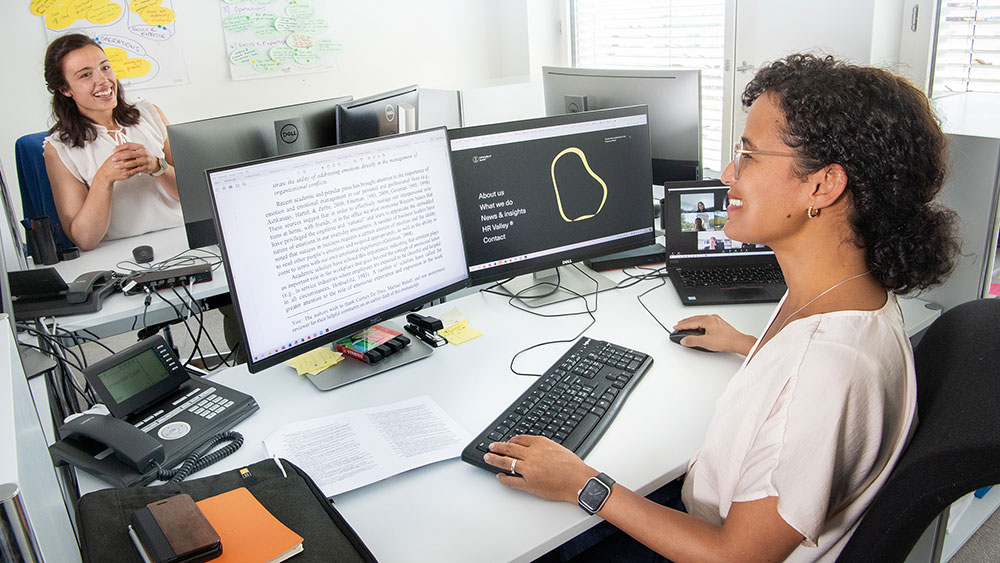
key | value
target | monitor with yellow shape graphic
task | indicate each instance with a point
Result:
(555, 184)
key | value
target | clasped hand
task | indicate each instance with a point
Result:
(127, 160)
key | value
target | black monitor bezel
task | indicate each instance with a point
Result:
(203, 232)
(576, 255)
(333, 336)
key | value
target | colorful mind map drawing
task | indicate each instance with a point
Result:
(137, 35)
(276, 37)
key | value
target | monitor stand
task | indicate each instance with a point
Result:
(350, 370)
(569, 277)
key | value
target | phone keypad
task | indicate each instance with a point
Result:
(210, 406)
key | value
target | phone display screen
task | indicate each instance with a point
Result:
(134, 375)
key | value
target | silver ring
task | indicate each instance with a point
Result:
(513, 464)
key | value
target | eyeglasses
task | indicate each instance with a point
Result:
(739, 152)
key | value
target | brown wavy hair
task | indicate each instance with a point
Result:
(71, 126)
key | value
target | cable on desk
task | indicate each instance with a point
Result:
(91, 337)
(187, 257)
(62, 380)
(177, 313)
(200, 317)
(587, 311)
(194, 339)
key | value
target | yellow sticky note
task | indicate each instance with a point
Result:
(459, 333)
(315, 361)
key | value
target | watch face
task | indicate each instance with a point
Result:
(593, 495)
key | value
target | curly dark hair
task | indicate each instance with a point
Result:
(71, 126)
(882, 131)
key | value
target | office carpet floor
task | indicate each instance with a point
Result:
(983, 546)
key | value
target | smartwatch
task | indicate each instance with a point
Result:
(162, 169)
(595, 493)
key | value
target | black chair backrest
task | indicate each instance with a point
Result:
(956, 447)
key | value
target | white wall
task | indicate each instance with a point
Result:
(387, 44)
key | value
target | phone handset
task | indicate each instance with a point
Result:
(81, 288)
(131, 446)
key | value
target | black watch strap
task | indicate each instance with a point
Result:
(595, 493)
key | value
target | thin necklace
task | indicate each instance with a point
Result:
(835, 286)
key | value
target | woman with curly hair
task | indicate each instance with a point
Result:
(108, 161)
(836, 171)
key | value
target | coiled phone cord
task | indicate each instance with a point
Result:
(201, 458)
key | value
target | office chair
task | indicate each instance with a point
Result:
(956, 446)
(33, 180)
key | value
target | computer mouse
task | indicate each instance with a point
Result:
(143, 253)
(678, 335)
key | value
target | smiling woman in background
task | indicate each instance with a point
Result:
(108, 161)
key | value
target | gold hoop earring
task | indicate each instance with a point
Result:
(810, 212)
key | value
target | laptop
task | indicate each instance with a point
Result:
(706, 266)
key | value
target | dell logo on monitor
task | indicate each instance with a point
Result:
(289, 133)
(390, 112)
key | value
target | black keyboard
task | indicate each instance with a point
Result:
(730, 276)
(572, 403)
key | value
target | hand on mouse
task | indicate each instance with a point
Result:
(719, 336)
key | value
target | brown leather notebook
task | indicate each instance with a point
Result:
(174, 530)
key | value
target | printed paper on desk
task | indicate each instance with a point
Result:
(459, 333)
(345, 451)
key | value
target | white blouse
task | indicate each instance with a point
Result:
(818, 418)
(139, 204)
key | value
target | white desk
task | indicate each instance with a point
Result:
(451, 511)
(120, 311)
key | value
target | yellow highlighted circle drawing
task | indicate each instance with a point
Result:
(79, 9)
(137, 6)
(159, 15)
(101, 13)
(42, 7)
(134, 68)
(125, 67)
(116, 57)
(58, 18)
(555, 185)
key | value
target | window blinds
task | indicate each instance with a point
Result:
(967, 58)
(688, 34)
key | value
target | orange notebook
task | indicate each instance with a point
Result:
(250, 534)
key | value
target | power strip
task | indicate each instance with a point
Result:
(165, 279)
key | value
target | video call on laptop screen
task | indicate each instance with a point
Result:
(695, 219)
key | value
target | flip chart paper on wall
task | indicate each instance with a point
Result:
(139, 36)
(266, 38)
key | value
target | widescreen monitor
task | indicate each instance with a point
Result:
(673, 98)
(322, 244)
(540, 193)
(379, 115)
(221, 141)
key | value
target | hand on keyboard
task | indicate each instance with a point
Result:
(544, 468)
(573, 403)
